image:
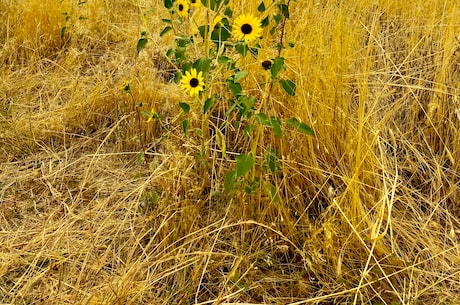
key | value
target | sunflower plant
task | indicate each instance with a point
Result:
(211, 55)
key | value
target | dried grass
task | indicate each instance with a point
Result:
(368, 212)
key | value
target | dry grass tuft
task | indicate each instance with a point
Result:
(368, 211)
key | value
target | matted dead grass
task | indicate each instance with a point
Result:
(368, 211)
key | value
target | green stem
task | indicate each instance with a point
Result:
(265, 97)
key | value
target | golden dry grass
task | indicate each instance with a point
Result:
(369, 209)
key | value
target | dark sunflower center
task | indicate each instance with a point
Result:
(246, 29)
(193, 1)
(181, 7)
(194, 82)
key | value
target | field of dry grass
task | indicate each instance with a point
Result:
(366, 212)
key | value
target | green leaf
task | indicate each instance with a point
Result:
(169, 53)
(289, 86)
(239, 75)
(165, 30)
(246, 105)
(185, 125)
(279, 46)
(141, 43)
(272, 160)
(202, 64)
(276, 125)
(139, 157)
(251, 186)
(277, 66)
(273, 192)
(242, 48)
(231, 108)
(284, 9)
(168, 4)
(185, 107)
(183, 41)
(291, 44)
(277, 18)
(220, 34)
(63, 29)
(177, 77)
(224, 60)
(168, 21)
(235, 87)
(186, 67)
(300, 126)
(248, 129)
(230, 179)
(265, 22)
(244, 164)
(208, 104)
(212, 3)
(203, 29)
(304, 128)
(228, 12)
(261, 7)
(262, 119)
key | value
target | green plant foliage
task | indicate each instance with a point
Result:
(208, 103)
(203, 29)
(168, 4)
(142, 42)
(218, 63)
(244, 164)
(265, 22)
(221, 32)
(185, 126)
(289, 86)
(228, 12)
(277, 66)
(140, 157)
(239, 75)
(229, 182)
(242, 48)
(300, 126)
(284, 9)
(165, 30)
(185, 107)
(262, 119)
(235, 87)
(273, 192)
(276, 125)
(202, 64)
(272, 161)
(261, 8)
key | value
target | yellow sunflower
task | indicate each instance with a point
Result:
(151, 115)
(247, 28)
(182, 8)
(192, 82)
(196, 3)
(126, 86)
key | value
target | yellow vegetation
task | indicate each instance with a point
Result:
(368, 210)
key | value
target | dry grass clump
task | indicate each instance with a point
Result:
(368, 210)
